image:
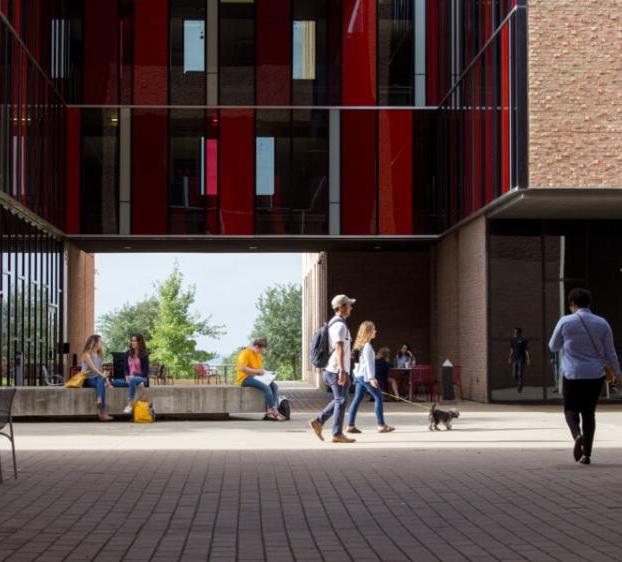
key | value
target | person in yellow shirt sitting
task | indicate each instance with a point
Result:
(249, 365)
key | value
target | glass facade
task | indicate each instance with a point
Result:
(32, 133)
(31, 297)
(442, 143)
(533, 265)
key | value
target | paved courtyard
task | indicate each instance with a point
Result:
(501, 486)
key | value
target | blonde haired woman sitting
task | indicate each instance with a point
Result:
(365, 379)
(92, 360)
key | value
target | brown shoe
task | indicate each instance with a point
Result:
(353, 429)
(341, 438)
(316, 426)
(105, 418)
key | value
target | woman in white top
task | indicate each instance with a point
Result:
(365, 379)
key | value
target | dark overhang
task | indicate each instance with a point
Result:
(101, 243)
(561, 203)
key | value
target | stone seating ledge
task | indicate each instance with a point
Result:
(170, 401)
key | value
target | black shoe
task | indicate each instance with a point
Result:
(577, 451)
(585, 460)
(519, 388)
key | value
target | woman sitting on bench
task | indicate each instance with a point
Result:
(92, 359)
(135, 368)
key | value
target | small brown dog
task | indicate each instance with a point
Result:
(437, 417)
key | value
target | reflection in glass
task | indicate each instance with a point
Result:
(265, 159)
(194, 46)
(304, 50)
(187, 52)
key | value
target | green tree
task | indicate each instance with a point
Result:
(176, 327)
(280, 320)
(117, 326)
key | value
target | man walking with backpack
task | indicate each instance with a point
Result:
(336, 372)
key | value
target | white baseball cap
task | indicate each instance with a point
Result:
(340, 300)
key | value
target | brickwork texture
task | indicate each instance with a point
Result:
(575, 93)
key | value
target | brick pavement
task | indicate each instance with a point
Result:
(333, 503)
(311, 505)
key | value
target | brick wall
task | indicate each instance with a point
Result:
(459, 307)
(575, 93)
(392, 289)
(81, 298)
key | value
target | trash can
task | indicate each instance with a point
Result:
(448, 381)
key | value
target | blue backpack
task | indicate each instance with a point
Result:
(319, 352)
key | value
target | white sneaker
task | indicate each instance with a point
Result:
(127, 410)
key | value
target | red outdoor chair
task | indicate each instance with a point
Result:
(423, 376)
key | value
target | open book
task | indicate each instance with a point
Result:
(267, 377)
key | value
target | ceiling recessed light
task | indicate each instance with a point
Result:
(127, 247)
(252, 247)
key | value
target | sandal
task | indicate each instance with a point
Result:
(386, 429)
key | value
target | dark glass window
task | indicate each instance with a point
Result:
(100, 171)
(291, 195)
(188, 52)
(310, 52)
(395, 52)
(187, 170)
(237, 53)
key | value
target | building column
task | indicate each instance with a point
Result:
(314, 308)
(80, 298)
(460, 306)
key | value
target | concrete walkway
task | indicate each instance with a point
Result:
(500, 486)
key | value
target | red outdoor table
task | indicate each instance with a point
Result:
(399, 374)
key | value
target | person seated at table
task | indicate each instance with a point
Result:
(250, 364)
(383, 366)
(405, 358)
(135, 369)
(92, 362)
(365, 379)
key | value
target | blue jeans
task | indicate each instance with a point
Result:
(99, 384)
(360, 386)
(271, 392)
(337, 406)
(134, 382)
(518, 368)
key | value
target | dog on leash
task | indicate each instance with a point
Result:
(436, 417)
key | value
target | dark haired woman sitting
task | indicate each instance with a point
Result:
(136, 369)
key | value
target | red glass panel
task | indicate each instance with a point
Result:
(432, 41)
(274, 52)
(101, 52)
(359, 52)
(505, 109)
(395, 172)
(149, 171)
(358, 172)
(73, 159)
(150, 51)
(237, 178)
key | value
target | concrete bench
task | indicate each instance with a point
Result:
(170, 401)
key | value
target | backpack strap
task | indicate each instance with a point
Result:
(335, 320)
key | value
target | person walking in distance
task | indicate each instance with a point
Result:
(587, 344)
(336, 373)
(518, 357)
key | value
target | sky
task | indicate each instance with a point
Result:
(227, 286)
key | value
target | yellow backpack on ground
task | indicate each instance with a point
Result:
(143, 412)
